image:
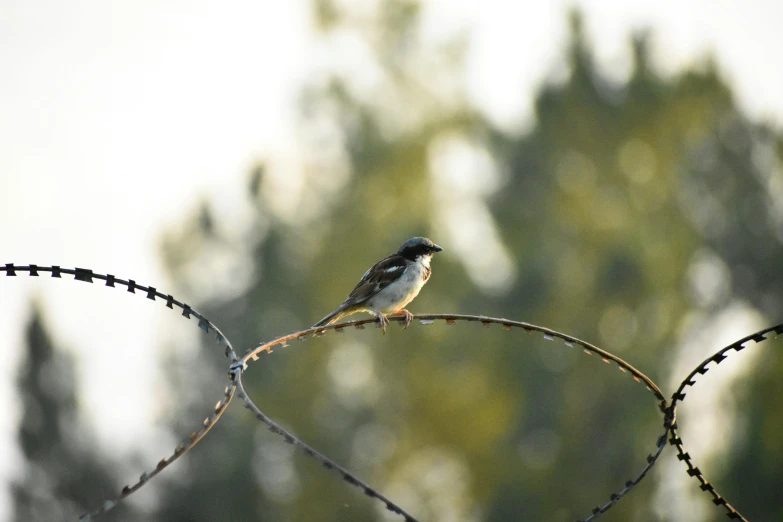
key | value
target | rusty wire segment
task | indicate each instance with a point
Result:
(238, 366)
(180, 450)
(235, 373)
(425, 319)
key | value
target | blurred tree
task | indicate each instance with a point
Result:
(591, 223)
(64, 474)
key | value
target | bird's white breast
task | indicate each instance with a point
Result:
(401, 292)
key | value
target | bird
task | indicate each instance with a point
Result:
(390, 284)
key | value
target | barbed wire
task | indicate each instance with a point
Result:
(88, 276)
(679, 396)
(237, 369)
(239, 365)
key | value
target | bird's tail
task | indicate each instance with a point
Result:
(334, 316)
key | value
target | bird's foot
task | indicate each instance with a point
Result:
(382, 321)
(408, 317)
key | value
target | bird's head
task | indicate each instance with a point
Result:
(416, 247)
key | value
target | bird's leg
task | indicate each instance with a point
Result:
(381, 319)
(408, 317)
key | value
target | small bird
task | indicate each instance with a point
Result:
(390, 284)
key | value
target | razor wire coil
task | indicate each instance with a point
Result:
(238, 365)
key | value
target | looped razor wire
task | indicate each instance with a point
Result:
(237, 369)
(679, 396)
(238, 366)
(88, 276)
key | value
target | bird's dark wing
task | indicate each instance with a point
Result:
(381, 275)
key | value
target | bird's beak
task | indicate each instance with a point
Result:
(436, 248)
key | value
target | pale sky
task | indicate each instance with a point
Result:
(116, 118)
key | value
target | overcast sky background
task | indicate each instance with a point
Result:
(117, 118)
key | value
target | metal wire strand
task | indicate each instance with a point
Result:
(679, 396)
(239, 365)
(238, 368)
(88, 276)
